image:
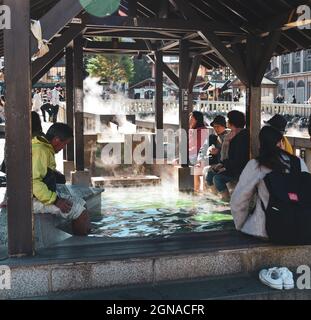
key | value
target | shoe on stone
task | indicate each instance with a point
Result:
(271, 278)
(287, 277)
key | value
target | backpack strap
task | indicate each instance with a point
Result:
(295, 165)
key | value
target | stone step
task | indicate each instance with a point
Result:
(237, 287)
(113, 263)
(125, 181)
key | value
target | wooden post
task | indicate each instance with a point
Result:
(184, 97)
(78, 103)
(159, 155)
(159, 89)
(69, 99)
(18, 130)
(253, 116)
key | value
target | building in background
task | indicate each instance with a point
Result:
(292, 72)
(57, 74)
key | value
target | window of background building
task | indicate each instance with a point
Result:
(307, 61)
(285, 63)
(296, 62)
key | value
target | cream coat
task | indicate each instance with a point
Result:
(245, 194)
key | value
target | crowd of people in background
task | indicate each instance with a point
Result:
(47, 102)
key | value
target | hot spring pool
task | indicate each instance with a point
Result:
(158, 211)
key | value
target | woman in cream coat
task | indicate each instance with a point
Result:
(251, 190)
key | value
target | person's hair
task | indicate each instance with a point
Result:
(237, 119)
(269, 153)
(60, 130)
(36, 128)
(197, 115)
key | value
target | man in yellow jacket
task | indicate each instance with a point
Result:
(45, 178)
(279, 123)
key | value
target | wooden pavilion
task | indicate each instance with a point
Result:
(241, 34)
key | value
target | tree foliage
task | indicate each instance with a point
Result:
(142, 70)
(109, 68)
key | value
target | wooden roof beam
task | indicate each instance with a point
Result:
(152, 24)
(169, 73)
(196, 62)
(148, 35)
(58, 46)
(56, 19)
(122, 46)
(47, 67)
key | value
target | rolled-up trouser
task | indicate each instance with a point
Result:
(54, 112)
(78, 207)
(219, 180)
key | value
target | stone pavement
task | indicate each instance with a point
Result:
(238, 287)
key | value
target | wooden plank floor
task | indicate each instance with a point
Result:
(86, 249)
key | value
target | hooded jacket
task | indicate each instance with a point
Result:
(43, 158)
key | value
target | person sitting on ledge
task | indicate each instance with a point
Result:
(209, 153)
(45, 178)
(234, 156)
(197, 135)
(279, 123)
(251, 195)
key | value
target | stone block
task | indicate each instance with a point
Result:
(185, 179)
(71, 277)
(81, 178)
(125, 272)
(69, 166)
(27, 282)
(196, 266)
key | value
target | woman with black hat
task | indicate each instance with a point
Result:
(279, 123)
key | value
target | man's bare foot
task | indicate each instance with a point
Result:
(81, 226)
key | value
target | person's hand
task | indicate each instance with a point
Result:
(218, 168)
(223, 169)
(198, 165)
(214, 151)
(64, 205)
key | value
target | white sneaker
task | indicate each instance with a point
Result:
(287, 277)
(271, 278)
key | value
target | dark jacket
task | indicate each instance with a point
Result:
(238, 154)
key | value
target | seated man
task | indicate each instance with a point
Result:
(44, 179)
(209, 153)
(234, 156)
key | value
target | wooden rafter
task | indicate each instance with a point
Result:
(57, 18)
(58, 46)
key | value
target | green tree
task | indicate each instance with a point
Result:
(142, 70)
(111, 68)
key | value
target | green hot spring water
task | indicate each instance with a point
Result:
(157, 211)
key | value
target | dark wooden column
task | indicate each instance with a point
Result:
(159, 107)
(159, 89)
(18, 130)
(185, 103)
(258, 55)
(69, 99)
(253, 116)
(78, 103)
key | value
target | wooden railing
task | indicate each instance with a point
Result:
(147, 106)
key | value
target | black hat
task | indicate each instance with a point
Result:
(219, 120)
(278, 122)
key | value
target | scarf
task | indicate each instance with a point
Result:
(224, 154)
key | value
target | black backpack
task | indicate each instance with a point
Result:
(288, 215)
